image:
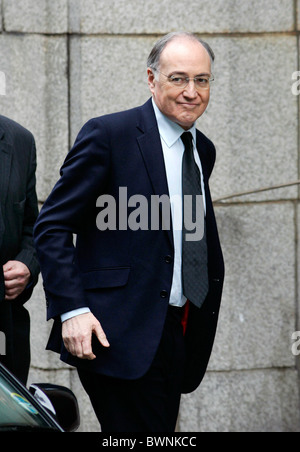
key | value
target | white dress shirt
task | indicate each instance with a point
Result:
(173, 150)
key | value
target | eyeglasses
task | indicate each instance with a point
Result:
(201, 82)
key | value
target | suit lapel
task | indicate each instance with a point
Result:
(151, 149)
(200, 147)
(5, 168)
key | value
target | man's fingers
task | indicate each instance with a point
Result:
(12, 290)
(86, 349)
(77, 335)
(15, 270)
(79, 345)
(8, 266)
(81, 350)
(101, 335)
(16, 277)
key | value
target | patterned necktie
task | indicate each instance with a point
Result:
(194, 252)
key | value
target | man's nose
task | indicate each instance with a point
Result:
(190, 89)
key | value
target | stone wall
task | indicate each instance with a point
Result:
(67, 61)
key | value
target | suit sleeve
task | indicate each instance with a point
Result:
(83, 178)
(27, 254)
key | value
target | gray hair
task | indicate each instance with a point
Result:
(154, 57)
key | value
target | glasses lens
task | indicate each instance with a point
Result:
(178, 80)
(201, 83)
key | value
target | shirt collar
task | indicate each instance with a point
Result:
(169, 131)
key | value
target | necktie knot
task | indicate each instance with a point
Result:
(187, 140)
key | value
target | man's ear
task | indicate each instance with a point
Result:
(151, 79)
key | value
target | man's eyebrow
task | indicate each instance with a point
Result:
(186, 75)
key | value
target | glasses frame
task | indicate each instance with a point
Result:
(187, 80)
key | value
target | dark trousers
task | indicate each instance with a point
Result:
(151, 403)
(15, 324)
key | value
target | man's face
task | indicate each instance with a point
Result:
(188, 58)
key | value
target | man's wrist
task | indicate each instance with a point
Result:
(74, 313)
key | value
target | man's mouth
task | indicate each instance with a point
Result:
(189, 105)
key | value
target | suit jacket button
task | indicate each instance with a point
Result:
(163, 294)
(168, 259)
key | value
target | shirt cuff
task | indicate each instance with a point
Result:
(74, 313)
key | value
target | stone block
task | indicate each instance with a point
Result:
(37, 97)
(108, 74)
(252, 117)
(251, 401)
(257, 316)
(159, 16)
(297, 323)
(298, 14)
(54, 376)
(40, 331)
(31, 16)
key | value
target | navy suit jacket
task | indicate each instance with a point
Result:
(123, 276)
(18, 213)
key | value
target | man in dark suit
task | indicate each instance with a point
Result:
(135, 303)
(19, 266)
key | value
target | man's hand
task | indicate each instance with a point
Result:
(16, 278)
(77, 335)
